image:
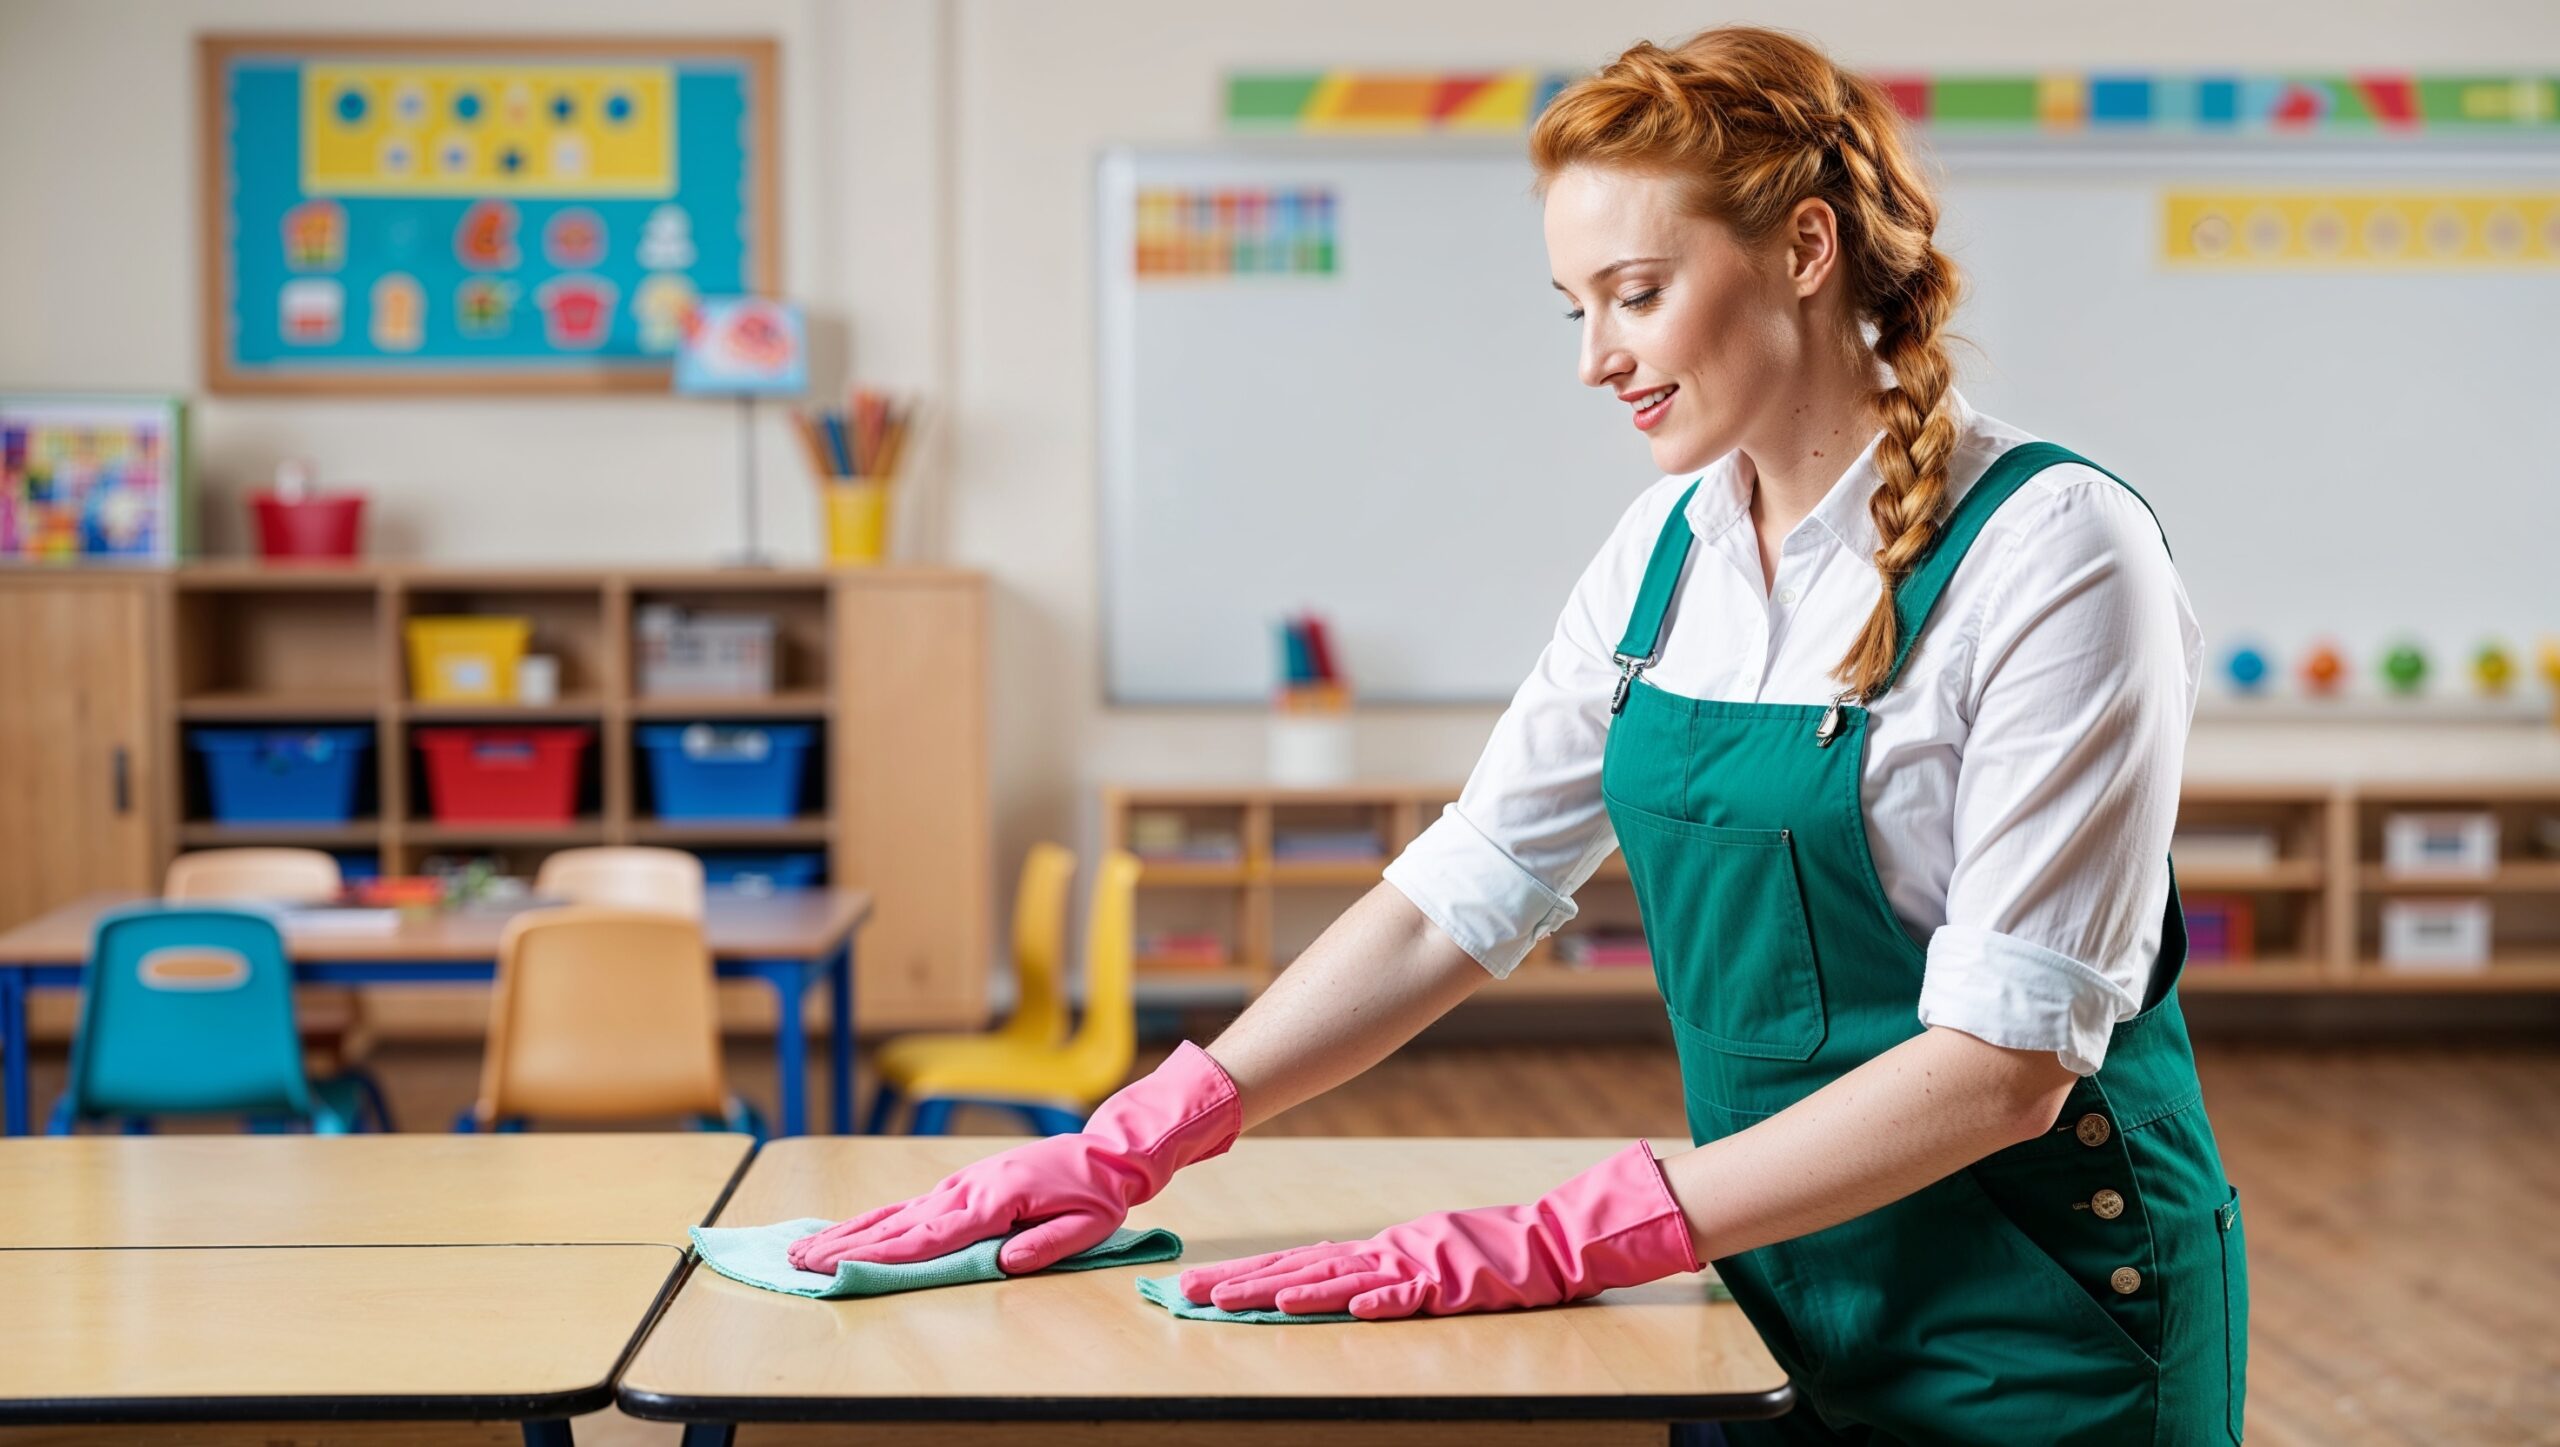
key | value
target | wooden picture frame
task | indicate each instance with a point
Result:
(619, 371)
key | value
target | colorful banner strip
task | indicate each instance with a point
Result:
(2360, 230)
(1401, 103)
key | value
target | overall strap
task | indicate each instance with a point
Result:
(1643, 641)
(1917, 598)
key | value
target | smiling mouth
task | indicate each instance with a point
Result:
(1652, 405)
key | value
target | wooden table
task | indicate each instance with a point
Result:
(92, 1192)
(446, 1279)
(1083, 1347)
(790, 940)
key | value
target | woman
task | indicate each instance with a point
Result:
(1885, 703)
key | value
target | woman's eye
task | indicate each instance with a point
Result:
(1574, 315)
(1640, 300)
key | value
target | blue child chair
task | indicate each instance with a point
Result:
(188, 1010)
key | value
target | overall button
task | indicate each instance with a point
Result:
(2126, 1281)
(2108, 1205)
(2093, 1129)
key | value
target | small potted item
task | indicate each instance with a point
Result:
(297, 523)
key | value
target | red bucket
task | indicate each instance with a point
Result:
(320, 525)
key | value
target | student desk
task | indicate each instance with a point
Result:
(1083, 1348)
(487, 1279)
(98, 1192)
(789, 940)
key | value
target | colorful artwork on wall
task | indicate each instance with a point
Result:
(2052, 104)
(2360, 230)
(1235, 231)
(465, 213)
(92, 478)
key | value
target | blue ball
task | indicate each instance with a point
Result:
(466, 106)
(617, 107)
(351, 106)
(2248, 669)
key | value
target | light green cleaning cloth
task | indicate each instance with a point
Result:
(760, 1256)
(1166, 1291)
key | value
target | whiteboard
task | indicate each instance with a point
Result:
(1403, 447)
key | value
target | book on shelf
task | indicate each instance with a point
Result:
(1195, 851)
(1605, 950)
(1345, 846)
(1183, 950)
(340, 919)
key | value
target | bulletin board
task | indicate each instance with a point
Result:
(456, 213)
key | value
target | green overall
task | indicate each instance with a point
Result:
(2089, 1286)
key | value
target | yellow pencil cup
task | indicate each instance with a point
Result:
(857, 523)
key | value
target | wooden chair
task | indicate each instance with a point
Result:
(330, 1017)
(604, 1014)
(668, 881)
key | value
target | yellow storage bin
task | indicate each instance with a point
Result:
(466, 659)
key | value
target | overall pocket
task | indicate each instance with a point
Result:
(1726, 918)
(2235, 1308)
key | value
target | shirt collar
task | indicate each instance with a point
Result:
(1724, 491)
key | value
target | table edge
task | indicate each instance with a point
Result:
(381, 1407)
(1645, 1407)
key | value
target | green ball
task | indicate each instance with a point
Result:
(2405, 668)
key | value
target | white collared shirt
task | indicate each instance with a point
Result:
(2020, 781)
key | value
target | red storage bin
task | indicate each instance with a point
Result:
(503, 775)
(320, 525)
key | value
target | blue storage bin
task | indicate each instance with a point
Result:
(708, 771)
(755, 872)
(282, 776)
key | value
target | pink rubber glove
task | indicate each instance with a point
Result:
(1064, 1193)
(1614, 1225)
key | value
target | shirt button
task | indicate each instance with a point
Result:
(2093, 1130)
(1787, 596)
(2126, 1281)
(2107, 1204)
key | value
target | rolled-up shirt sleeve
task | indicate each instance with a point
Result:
(2083, 683)
(1498, 869)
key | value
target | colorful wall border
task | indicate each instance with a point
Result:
(2057, 104)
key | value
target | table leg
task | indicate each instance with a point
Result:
(548, 1434)
(790, 1042)
(709, 1434)
(840, 1039)
(13, 1052)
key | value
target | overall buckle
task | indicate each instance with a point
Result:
(1629, 666)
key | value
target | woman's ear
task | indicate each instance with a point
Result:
(1813, 244)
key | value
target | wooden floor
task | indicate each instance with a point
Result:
(2403, 1208)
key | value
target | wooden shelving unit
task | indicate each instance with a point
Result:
(2316, 905)
(888, 663)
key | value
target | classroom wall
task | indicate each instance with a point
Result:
(937, 174)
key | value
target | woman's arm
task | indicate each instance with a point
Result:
(1919, 1112)
(1368, 984)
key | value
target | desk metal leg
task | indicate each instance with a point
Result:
(548, 1434)
(709, 1434)
(790, 984)
(840, 1039)
(13, 1052)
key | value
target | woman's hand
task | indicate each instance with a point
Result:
(1616, 1224)
(1066, 1193)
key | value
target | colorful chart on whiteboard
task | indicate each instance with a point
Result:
(419, 219)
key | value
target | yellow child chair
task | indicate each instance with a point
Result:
(1039, 1018)
(632, 877)
(604, 1014)
(1056, 1087)
(330, 1017)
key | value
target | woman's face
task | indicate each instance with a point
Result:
(1694, 333)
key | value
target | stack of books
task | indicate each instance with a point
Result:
(1171, 950)
(1167, 837)
(1328, 846)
